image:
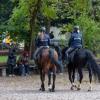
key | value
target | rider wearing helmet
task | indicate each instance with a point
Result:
(43, 40)
(75, 41)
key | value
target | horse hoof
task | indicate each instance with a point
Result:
(41, 89)
(89, 90)
(78, 89)
(75, 86)
(72, 88)
(51, 90)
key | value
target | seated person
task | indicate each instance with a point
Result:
(23, 64)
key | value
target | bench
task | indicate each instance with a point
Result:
(3, 67)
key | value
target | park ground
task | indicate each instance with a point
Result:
(27, 88)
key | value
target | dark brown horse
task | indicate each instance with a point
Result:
(80, 59)
(46, 66)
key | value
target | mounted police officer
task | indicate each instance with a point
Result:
(75, 41)
(43, 40)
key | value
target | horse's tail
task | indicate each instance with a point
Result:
(94, 66)
(53, 60)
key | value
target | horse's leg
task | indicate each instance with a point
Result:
(54, 78)
(70, 76)
(73, 78)
(90, 78)
(49, 80)
(80, 77)
(42, 77)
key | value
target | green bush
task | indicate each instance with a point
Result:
(91, 32)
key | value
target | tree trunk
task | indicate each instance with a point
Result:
(32, 25)
(48, 24)
(26, 46)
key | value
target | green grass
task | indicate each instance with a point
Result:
(98, 55)
(3, 58)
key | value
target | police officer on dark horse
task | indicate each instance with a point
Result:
(78, 57)
(46, 58)
(75, 41)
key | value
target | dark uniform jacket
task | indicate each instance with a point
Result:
(43, 42)
(76, 40)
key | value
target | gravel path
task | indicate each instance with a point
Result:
(26, 88)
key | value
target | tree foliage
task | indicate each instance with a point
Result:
(82, 16)
(24, 17)
(22, 14)
(91, 32)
